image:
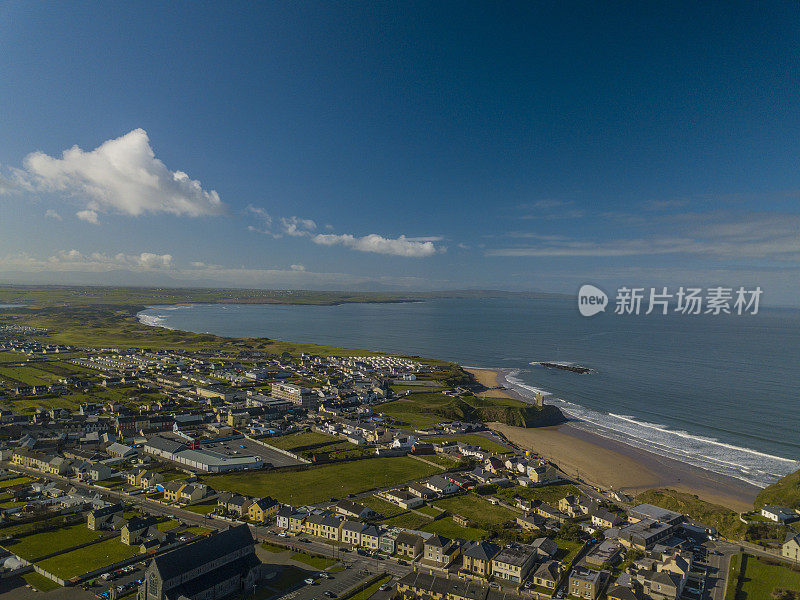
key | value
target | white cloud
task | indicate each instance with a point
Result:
(297, 227)
(401, 246)
(262, 217)
(90, 216)
(122, 175)
(298, 268)
(51, 214)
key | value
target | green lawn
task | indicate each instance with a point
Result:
(89, 558)
(428, 510)
(547, 493)
(167, 525)
(40, 544)
(299, 440)
(202, 508)
(272, 548)
(381, 506)
(312, 485)
(407, 520)
(14, 481)
(473, 440)
(760, 578)
(567, 550)
(40, 582)
(197, 530)
(479, 511)
(316, 562)
(448, 528)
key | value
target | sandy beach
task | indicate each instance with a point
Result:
(611, 464)
(488, 379)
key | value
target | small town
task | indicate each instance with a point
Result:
(172, 474)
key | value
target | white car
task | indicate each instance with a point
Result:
(309, 581)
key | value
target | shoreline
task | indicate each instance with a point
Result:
(611, 464)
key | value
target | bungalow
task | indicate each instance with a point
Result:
(420, 490)
(779, 514)
(547, 575)
(348, 508)
(441, 486)
(530, 521)
(550, 512)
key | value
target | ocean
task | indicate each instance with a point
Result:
(718, 392)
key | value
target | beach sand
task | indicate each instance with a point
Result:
(488, 379)
(610, 464)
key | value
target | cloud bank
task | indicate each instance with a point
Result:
(122, 176)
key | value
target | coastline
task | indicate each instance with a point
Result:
(612, 464)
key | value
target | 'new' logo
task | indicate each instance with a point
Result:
(591, 300)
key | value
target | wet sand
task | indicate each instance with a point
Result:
(614, 465)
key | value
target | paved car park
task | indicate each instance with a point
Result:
(338, 584)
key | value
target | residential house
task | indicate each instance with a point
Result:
(585, 583)
(440, 551)
(371, 537)
(263, 510)
(348, 508)
(409, 545)
(351, 532)
(136, 529)
(605, 519)
(441, 486)
(547, 574)
(101, 517)
(477, 561)
(779, 514)
(791, 547)
(513, 563)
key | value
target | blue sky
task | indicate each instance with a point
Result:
(524, 146)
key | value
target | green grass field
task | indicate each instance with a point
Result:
(407, 520)
(448, 528)
(89, 558)
(316, 562)
(760, 578)
(316, 484)
(547, 493)
(202, 508)
(40, 582)
(14, 481)
(473, 440)
(35, 545)
(381, 506)
(479, 511)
